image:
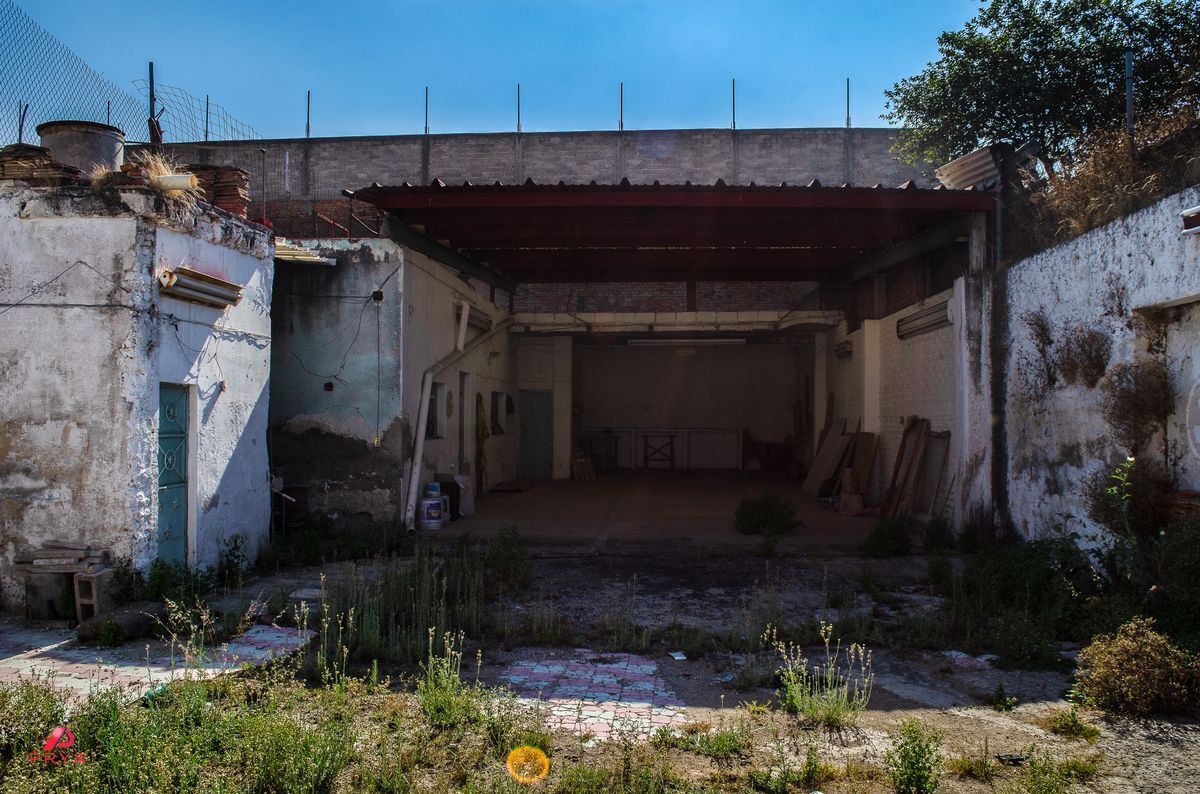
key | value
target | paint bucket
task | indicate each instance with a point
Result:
(430, 513)
(433, 490)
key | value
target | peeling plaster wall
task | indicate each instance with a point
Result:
(80, 364)
(844, 378)
(330, 331)
(1057, 436)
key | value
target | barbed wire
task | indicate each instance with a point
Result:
(188, 118)
(41, 71)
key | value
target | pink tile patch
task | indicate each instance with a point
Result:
(138, 666)
(603, 695)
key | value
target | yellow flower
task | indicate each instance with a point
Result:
(527, 765)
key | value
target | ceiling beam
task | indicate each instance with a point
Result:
(407, 236)
(955, 231)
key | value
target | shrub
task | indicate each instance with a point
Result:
(445, 699)
(914, 763)
(1137, 672)
(938, 537)
(1138, 399)
(888, 537)
(1083, 356)
(508, 558)
(28, 711)
(768, 514)
(835, 692)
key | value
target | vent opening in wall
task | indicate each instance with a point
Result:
(843, 349)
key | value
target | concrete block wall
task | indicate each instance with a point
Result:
(300, 174)
(1056, 435)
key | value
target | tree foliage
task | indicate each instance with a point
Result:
(1047, 71)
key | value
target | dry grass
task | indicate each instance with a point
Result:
(99, 176)
(1103, 183)
(158, 165)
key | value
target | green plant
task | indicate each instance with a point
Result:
(888, 537)
(1138, 672)
(835, 692)
(769, 514)
(1001, 700)
(1068, 723)
(914, 762)
(1179, 599)
(286, 756)
(28, 711)
(937, 537)
(1043, 774)
(980, 767)
(721, 745)
(940, 574)
(508, 558)
(446, 701)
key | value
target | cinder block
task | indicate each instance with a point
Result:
(93, 594)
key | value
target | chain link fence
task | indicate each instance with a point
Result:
(38, 70)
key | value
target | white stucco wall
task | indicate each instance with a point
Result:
(1057, 437)
(430, 328)
(82, 359)
(544, 364)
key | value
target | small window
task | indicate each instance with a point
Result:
(497, 413)
(435, 423)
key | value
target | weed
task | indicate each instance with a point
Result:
(721, 745)
(446, 701)
(938, 537)
(980, 767)
(28, 711)
(507, 559)
(835, 692)
(1067, 723)
(769, 515)
(940, 574)
(1001, 700)
(888, 537)
(914, 762)
(1046, 775)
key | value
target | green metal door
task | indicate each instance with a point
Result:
(172, 473)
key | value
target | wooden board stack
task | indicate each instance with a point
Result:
(225, 187)
(64, 557)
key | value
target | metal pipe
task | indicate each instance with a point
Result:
(733, 96)
(206, 117)
(463, 317)
(308, 115)
(414, 478)
(426, 110)
(847, 103)
(518, 107)
(621, 107)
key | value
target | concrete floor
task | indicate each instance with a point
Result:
(643, 505)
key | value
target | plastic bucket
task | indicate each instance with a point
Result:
(430, 514)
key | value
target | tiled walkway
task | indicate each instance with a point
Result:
(136, 666)
(602, 695)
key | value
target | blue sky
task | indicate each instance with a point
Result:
(367, 63)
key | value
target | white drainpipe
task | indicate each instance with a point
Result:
(461, 349)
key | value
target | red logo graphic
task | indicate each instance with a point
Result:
(55, 750)
(59, 738)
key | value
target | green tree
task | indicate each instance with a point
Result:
(1047, 71)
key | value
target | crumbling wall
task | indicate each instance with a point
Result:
(82, 354)
(1107, 279)
(844, 378)
(337, 422)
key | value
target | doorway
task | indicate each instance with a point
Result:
(537, 434)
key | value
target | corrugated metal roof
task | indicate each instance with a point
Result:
(294, 255)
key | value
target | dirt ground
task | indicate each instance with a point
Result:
(718, 589)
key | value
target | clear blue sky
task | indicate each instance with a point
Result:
(367, 63)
